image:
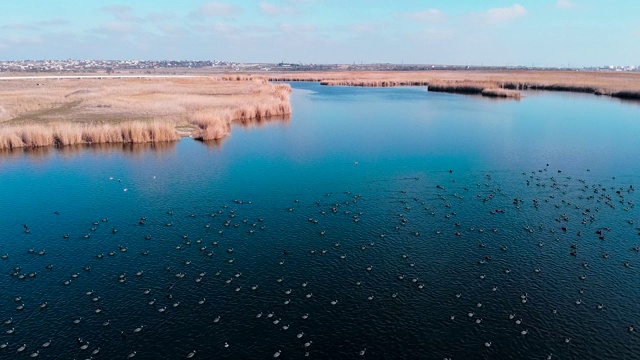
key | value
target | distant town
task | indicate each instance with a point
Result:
(176, 66)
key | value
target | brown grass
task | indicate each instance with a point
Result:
(62, 112)
(502, 93)
(460, 87)
(64, 134)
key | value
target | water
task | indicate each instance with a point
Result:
(291, 192)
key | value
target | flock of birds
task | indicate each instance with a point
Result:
(572, 216)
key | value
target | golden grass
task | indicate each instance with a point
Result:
(62, 112)
(502, 93)
(460, 87)
(617, 84)
(64, 134)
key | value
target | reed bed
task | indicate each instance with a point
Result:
(502, 93)
(616, 84)
(65, 134)
(460, 87)
(374, 83)
(61, 112)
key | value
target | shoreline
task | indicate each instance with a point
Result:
(61, 110)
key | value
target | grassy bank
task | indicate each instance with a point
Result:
(60, 112)
(507, 84)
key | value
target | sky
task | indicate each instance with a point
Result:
(475, 32)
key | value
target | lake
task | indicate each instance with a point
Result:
(373, 223)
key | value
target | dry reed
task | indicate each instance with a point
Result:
(65, 112)
(39, 135)
(617, 84)
(502, 93)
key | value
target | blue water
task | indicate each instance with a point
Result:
(404, 182)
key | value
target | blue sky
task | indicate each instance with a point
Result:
(489, 32)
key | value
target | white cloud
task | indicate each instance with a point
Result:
(364, 27)
(54, 22)
(275, 10)
(120, 12)
(215, 8)
(297, 28)
(30, 40)
(18, 26)
(502, 15)
(430, 15)
(116, 27)
(564, 4)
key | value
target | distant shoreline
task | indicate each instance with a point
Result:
(623, 85)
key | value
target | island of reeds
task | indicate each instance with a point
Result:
(60, 112)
